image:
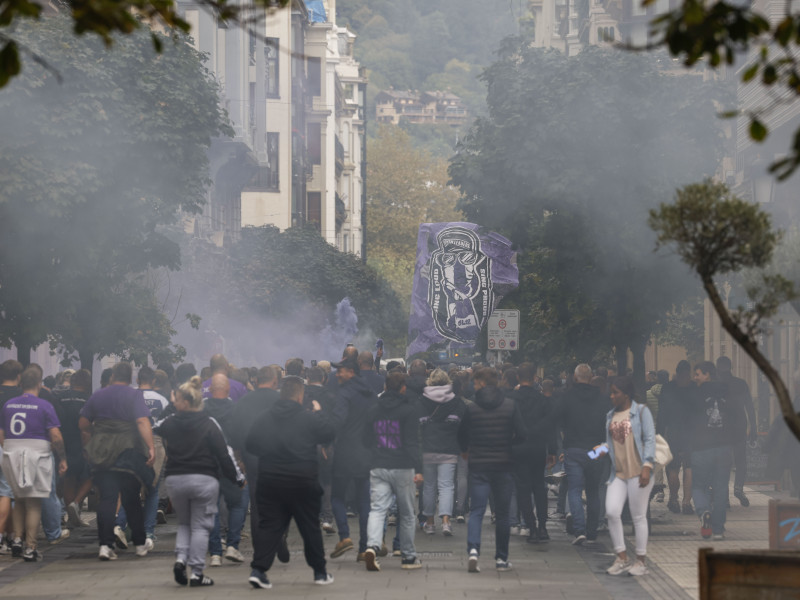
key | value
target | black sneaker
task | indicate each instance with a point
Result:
(161, 517)
(323, 579)
(533, 538)
(739, 493)
(569, 525)
(30, 555)
(258, 579)
(705, 525)
(543, 535)
(200, 581)
(16, 548)
(411, 563)
(179, 571)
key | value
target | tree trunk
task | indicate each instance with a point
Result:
(23, 351)
(751, 348)
(621, 358)
(86, 356)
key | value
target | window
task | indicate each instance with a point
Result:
(314, 66)
(315, 143)
(314, 210)
(272, 75)
(268, 176)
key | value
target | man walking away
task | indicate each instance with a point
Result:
(743, 424)
(392, 435)
(285, 441)
(675, 404)
(491, 425)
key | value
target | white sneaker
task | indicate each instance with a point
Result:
(149, 543)
(142, 550)
(73, 515)
(119, 535)
(524, 532)
(515, 530)
(233, 554)
(106, 553)
(619, 567)
(64, 535)
(216, 561)
(472, 564)
(638, 569)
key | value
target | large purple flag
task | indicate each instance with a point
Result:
(462, 272)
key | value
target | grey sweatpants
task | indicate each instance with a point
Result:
(194, 499)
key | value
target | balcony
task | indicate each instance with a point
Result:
(339, 156)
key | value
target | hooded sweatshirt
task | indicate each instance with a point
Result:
(353, 401)
(195, 446)
(534, 408)
(391, 433)
(492, 423)
(713, 416)
(285, 438)
(440, 416)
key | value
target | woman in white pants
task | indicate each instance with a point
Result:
(631, 439)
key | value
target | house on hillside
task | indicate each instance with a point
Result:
(392, 106)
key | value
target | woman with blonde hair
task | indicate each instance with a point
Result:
(441, 412)
(197, 454)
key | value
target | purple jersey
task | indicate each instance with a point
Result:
(116, 401)
(28, 417)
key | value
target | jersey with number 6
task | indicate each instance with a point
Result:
(28, 417)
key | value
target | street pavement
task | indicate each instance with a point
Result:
(556, 570)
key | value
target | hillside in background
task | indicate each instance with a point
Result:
(424, 45)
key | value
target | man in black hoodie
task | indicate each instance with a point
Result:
(530, 458)
(491, 425)
(391, 434)
(350, 459)
(285, 439)
(581, 414)
(711, 421)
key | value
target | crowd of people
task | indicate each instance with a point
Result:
(422, 448)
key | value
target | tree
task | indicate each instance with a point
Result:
(407, 187)
(105, 18)
(572, 154)
(721, 32)
(91, 171)
(295, 277)
(716, 233)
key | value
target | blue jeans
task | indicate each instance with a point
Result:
(339, 487)
(445, 475)
(712, 469)
(584, 474)
(236, 500)
(500, 484)
(383, 485)
(51, 512)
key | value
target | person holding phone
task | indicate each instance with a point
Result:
(631, 440)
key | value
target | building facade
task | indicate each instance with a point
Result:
(296, 99)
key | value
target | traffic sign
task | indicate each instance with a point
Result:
(503, 330)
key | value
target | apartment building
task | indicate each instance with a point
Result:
(392, 106)
(296, 99)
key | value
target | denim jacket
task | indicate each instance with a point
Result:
(644, 436)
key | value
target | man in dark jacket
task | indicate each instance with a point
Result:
(285, 441)
(744, 426)
(530, 458)
(581, 414)
(391, 435)
(711, 423)
(491, 425)
(246, 412)
(373, 379)
(350, 459)
(674, 406)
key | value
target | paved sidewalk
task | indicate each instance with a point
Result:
(556, 570)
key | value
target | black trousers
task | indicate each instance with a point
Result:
(529, 478)
(740, 462)
(279, 502)
(110, 486)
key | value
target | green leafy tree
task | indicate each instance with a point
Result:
(722, 32)
(297, 277)
(716, 233)
(91, 171)
(407, 187)
(571, 156)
